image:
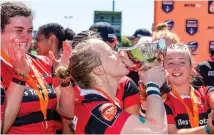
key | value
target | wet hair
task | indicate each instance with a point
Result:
(12, 9)
(162, 30)
(83, 60)
(56, 29)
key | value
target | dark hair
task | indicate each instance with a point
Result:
(12, 9)
(84, 58)
(56, 29)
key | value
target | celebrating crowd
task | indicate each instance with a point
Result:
(79, 84)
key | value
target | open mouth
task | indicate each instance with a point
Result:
(22, 45)
(177, 74)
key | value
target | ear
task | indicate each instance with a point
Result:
(98, 70)
(52, 39)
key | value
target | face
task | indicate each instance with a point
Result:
(177, 63)
(20, 27)
(42, 44)
(112, 62)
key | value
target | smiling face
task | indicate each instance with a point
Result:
(20, 27)
(178, 64)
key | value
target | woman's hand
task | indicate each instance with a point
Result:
(17, 54)
(211, 122)
(66, 54)
(156, 74)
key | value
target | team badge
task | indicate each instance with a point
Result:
(170, 24)
(191, 26)
(193, 46)
(211, 46)
(108, 111)
(211, 6)
(167, 5)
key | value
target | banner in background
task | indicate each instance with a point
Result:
(192, 21)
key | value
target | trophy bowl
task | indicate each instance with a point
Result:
(146, 54)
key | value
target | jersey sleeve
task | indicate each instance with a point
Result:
(131, 94)
(210, 91)
(106, 119)
(2, 100)
(169, 112)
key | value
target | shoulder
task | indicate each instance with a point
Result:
(40, 58)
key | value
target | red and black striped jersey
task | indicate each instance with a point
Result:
(96, 115)
(127, 93)
(30, 119)
(177, 114)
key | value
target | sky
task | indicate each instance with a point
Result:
(135, 13)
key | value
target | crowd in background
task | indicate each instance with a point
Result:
(78, 82)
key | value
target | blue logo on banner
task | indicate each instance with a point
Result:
(167, 5)
(211, 6)
(170, 24)
(191, 26)
(211, 46)
(193, 46)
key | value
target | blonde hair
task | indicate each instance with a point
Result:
(162, 30)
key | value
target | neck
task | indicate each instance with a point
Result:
(109, 86)
(56, 52)
(183, 90)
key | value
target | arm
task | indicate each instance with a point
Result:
(172, 129)
(14, 95)
(210, 96)
(65, 101)
(155, 119)
(65, 126)
(15, 91)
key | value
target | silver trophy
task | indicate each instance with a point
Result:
(146, 54)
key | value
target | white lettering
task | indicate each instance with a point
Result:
(183, 122)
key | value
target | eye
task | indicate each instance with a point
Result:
(19, 31)
(29, 31)
(170, 64)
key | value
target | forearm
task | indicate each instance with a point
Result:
(197, 130)
(14, 95)
(155, 113)
(211, 101)
(66, 101)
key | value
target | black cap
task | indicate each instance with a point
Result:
(105, 30)
(140, 33)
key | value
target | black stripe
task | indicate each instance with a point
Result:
(34, 118)
(209, 89)
(182, 120)
(2, 96)
(168, 110)
(17, 81)
(130, 89)
(152, 92)
(30, 94)
(93, 97)
(152, 85)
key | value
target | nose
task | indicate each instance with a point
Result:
(176, 67)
